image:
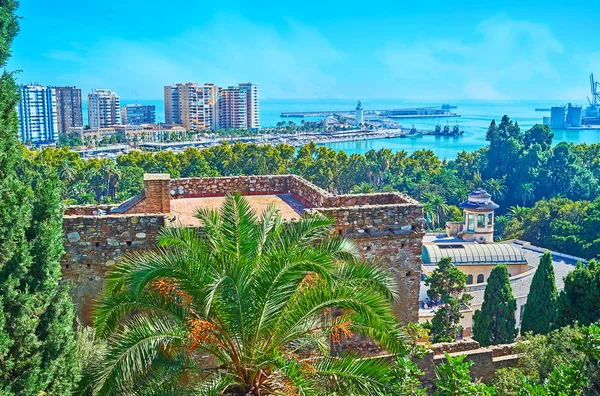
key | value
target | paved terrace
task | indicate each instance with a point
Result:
(184, 209)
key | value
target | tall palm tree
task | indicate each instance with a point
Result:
(245, 307)
(438, 205)
(527, 192)
(517, 212)
(496, 188)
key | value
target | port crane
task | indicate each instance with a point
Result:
(595, 88)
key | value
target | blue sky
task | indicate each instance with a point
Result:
(315, 49)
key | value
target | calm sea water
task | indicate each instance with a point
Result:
(475, 119)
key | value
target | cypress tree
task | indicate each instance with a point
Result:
(495, 322)
(37, 353)
(539, 313)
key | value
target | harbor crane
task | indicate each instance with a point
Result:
(595, 88)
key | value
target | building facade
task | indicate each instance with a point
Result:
(233, 108)
(208, 106)
(212, 94)
(252, 105)
(104, 108)
(137, 114)
(37, 112)
(68, 108)
(193, 106)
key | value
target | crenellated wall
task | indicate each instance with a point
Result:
(387, 227)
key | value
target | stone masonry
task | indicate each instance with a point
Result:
(387, 228)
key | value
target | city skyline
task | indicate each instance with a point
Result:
(438, 51)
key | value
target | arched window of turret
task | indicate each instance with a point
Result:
(480, 278)
(469, 279)
(490, 222)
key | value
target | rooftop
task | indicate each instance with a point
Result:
(184, 209)
(563, 264)
(463, 253)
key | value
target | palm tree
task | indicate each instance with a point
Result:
(517, 212)
(438, 205)
(527, 192)
(363, 188)
(429, 213)
(496, 188)
(249, 306)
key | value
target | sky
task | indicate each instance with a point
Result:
(509, 50)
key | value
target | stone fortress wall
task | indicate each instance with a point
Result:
(387, 228)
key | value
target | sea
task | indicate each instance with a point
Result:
(475, 117)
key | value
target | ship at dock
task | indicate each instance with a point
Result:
(439, 130)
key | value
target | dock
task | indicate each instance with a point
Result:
(410, 112)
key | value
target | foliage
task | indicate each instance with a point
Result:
(564, 362)
(453, 379)
(495, 322)
(447, 284)
(579, 301)
(255, 304)
(37, 353)
(539, 313)
(559, 224)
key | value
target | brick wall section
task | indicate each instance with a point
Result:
(94, 243)
(156, 195)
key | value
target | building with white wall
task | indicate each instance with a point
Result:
(37, 112)
(104, 108)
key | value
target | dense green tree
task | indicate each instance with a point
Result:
(36, 317)
(258, 300)
(453, 379)
(579, 301)
(447, 284)
(564, 362)
(495, 322)
(539, 313)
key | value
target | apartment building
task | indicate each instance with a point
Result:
(137, 114)
(252, 105)
(68, 108)
(232, 108)
(184, 105)
(104, 108)
(37, 112)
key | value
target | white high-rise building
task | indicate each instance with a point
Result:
(104, 108)
(37, 112)
(252, 105)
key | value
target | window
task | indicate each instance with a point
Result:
(490, 220)
(469, 279)
(470, 222)
(480, 220)
(480, 278)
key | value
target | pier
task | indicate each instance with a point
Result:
(411, 112)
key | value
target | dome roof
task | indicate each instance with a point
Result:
(479, 200)
(473, 254)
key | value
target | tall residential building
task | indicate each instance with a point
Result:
(137, 114)
(68, 108)
(104, 108)
(252, 105)
(37, 114)
(212, 93)
(232, 108)
(184, 105)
